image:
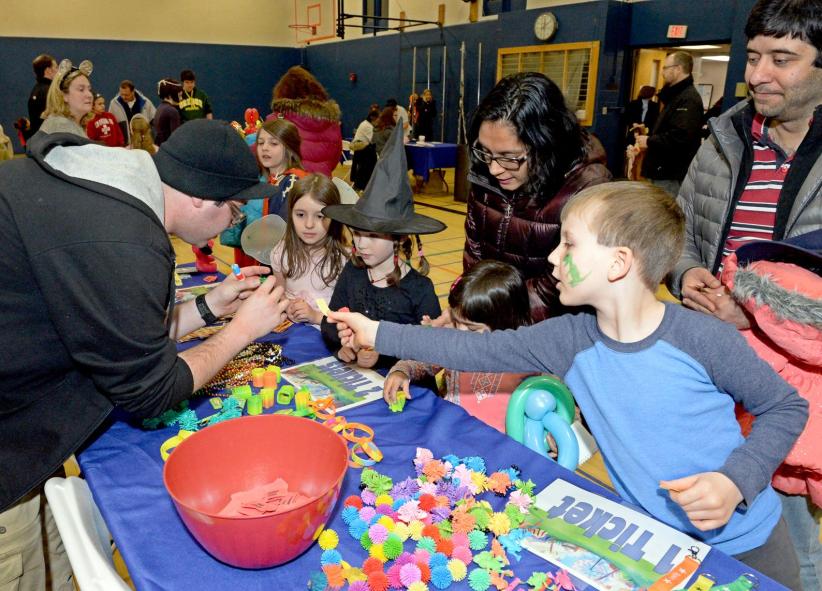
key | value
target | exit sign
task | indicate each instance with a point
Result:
(677, 31)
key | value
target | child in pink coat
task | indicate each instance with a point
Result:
(779, 287)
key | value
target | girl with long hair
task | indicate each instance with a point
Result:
(313, 251)
(278, 155)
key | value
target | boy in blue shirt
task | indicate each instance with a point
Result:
(656, 382)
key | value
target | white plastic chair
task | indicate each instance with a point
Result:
(85, 536)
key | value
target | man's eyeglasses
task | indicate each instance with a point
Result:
(505, 162)
(671, 66)
(237, 215)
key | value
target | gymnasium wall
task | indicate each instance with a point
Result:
(239, 22)
(238, 49)
(384, 63)
(236, 55)
(234, 76)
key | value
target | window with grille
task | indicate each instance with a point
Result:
(571, 66)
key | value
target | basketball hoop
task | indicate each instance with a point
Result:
(299, 27)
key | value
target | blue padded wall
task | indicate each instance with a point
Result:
(234, 77)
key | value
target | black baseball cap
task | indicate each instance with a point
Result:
(208, 159)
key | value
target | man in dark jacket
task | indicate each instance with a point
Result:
(675, 137)
(45, 67)
(89, 273)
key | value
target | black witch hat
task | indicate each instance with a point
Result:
(387, 204)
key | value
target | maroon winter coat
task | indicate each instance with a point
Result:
(319, 125)
(522, 230)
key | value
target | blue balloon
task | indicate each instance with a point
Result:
(534, 437)
(567, 445)
(539, 403)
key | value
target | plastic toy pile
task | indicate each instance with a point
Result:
(432, 530)
(262, 394)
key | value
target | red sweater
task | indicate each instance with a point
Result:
(104, 128)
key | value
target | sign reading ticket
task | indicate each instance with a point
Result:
(606, 544)
(348, 384)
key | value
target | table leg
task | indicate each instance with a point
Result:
(441, 172)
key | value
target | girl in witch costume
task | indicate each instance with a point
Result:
(379, 280)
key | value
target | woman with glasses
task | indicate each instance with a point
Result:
(529, 156)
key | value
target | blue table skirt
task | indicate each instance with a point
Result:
(425, 158)
(124, 470)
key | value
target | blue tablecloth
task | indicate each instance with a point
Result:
(124, 470)
(424, 158)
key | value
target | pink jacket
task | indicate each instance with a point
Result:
(785, 304)
(320, 132)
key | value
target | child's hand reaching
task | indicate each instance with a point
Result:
(443, 319)
(300, 311)
(395, 382)
(347, 354)
(367, 358)
(354, 330)
(708, 499)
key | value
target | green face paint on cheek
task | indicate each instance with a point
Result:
(573, 273)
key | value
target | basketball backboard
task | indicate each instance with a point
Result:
(314, 20)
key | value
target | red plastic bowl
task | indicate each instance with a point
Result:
(243, 453)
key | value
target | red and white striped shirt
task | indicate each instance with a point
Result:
(755, 213)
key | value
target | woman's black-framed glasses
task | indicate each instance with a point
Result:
(505, 162)
(237, 214)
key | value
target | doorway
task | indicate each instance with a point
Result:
(710, 69)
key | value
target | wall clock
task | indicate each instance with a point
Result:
(545, 27)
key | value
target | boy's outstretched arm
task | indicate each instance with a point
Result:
(548, 346)
(708, 499)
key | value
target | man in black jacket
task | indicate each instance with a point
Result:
(45, 67)
(89, 320)
(675, 138)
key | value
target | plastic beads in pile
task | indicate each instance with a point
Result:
(432, 530)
